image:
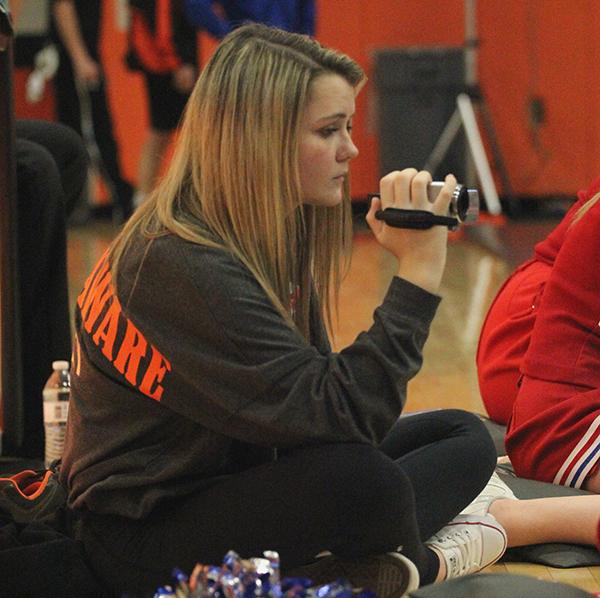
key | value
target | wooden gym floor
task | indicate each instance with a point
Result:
(480, 257)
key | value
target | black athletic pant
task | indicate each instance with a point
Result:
(51, 174)
(66, 149)
(351, 499)
(68, 110)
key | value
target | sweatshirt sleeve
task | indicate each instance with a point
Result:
(238, 369)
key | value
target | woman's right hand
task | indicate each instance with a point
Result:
(87, 70)
(421, 253)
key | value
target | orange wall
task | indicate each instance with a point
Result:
(547, 48)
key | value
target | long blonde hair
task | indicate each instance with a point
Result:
(234, 181)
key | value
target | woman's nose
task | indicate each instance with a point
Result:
(348, 151)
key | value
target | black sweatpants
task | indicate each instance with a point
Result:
(69, 111)
(51, 174)
(67, 151)
(351, 499)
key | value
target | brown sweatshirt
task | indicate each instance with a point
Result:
(191, 374)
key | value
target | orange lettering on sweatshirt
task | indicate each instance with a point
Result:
(99, 269)
(142, 365)
(76, 359)
(133, 348)
(108, 328)
(95, 301)
(154, 374)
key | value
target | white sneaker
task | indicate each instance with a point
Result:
(390, 575)
(494, 490)
(469, 543)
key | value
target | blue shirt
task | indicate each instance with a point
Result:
(297, 16)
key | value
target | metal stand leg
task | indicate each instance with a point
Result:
(88, 134)
(444, 142)
(464, 115)
(482, 167)
(511, 204)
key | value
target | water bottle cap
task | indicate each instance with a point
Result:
(60, 365)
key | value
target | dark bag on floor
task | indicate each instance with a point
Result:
(37, 557)
(33, 496)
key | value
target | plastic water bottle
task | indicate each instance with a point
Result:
(56, 395)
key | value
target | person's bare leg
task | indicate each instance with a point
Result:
(151, 157)
(571, 519)
(592, 482)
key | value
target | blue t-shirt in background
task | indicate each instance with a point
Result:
(297, 16)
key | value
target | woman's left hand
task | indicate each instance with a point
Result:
(421, 253)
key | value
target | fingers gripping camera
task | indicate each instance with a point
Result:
(463, 208)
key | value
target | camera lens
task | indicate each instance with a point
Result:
(460, 202)
(464, 203)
